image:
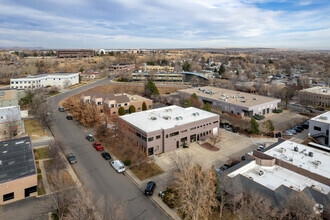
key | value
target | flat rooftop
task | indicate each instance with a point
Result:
(322, 90)
(17, 159)
(324, 118)
(46, 74)
(166, 117)
(274, 177)
(230, 96)
(319, 163)
(136, 98)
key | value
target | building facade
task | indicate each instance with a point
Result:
(319, 127)
(74, 53)
(157, 76)
(148, 69)
(90, 76)
(122, 68)
(11, 123)
(235, 102)
(317, 96)
(110, 103)
(18, 172)
(61, 80)
(168, 128)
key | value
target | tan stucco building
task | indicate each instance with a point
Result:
(318, 96)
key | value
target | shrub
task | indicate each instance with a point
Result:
(121, 111)
(131, 109)
(277, 111)
(259, 117)
(39, 170)
(144, 106)
(254, 126)
(127, 162)
(171, 197)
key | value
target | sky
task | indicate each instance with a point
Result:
(301, 24)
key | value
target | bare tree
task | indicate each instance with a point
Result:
(215, 138)
(58, 162)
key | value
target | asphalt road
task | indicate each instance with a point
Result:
(96, 174)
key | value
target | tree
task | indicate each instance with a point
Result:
(286, 94)
(195, 101)
(144, 106)
(27, 100)
(58, 162)
(207, 107)
(196, 189)
(222, 69)
(268, 126)
(187, 103)
(215, 137)
(186, 66)
(254, 126)
(81, 69)
(131, 109)
(121, 111)
(150, 89)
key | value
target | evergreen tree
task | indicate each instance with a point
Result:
(131, 109)
(144, 106)
(254, 126)
(222, 69)
(207, 107)
(121, 111)
(186, 66)
(151, 89)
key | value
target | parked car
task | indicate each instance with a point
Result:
(90, 137)
(234, 130)
(61, 109)
(71, 158)
(222, 168)
(118, 166)
(260, 147)
(310, 107)
(243, 157)
(69, 117)
(305, 124)
(292, 131)
(312, 111)
(228, 128)
(98, 146)
(297, 129)
(287, 133)
(296, 104)
(320, 109)
(300, 127)
(106, 155)
(150, 188)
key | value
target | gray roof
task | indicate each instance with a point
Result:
(120, 98)
(10, 114)
(17, 159)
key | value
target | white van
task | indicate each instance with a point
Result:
(118, 166)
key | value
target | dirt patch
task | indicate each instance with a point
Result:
(124, 88)
(64, 177)
(33, 129)
(209, 146)
(146, 170)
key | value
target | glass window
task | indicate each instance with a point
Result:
(144, 138)
(317, 128)
(150, 139)
(8, 196)
(174, 134)
(158, 137)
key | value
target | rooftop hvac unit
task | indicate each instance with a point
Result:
(317, 162)
(195, 114)
(310, 154)
(178, 118)
(261, 173)
(295, 149)
(281, 150)
(166, 117)
(153, 118)
(323, 118)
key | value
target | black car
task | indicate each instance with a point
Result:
(61, 109)
(305, 125)
(106, 155)
(150, 188)
(320, 109)
(69, 117)
(297, 129)
(300, 127)
(90, 138)
(234, 130)
(71, 158)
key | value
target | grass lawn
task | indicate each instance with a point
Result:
(33, 129)
(146, 170)
(41, 153)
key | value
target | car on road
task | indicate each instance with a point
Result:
(69, 117)
(118, 166)
(61, 109)
(71, 158)
(234, 130)
(106, 155)
(98, 146)
(150, 188)
(90, 137)
(228, 128)
(287, 133)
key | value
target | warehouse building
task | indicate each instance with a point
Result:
(231, 101)
(165, 129)
(317, 96)
(61, 80)
(18, 172)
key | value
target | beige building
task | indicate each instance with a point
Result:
(156, 69)
(318, 96)
(110, 103)
(122, 68)
(18, 172)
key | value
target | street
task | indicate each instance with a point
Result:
(96, 175)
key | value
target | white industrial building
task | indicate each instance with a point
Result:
(319, 127)
(60, 80)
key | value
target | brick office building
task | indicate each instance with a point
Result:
(74, 53)
(18, 172)
(318, 96)
(165, 129)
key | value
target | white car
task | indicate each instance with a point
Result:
(292, 131)
(118, 166)
(287, 133)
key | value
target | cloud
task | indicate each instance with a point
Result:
(161, 23)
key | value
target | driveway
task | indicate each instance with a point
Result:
(96, 175)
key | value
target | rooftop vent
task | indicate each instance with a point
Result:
(168, 110)
(261, 173)
(166, 117)
(310, 154)
(323, 118)
(153, 118)
(195, 114)
(281, 150)
(317, 162)
(179, 118)
(295, 149)
(20, 142)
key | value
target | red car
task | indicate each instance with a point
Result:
(98, 146)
